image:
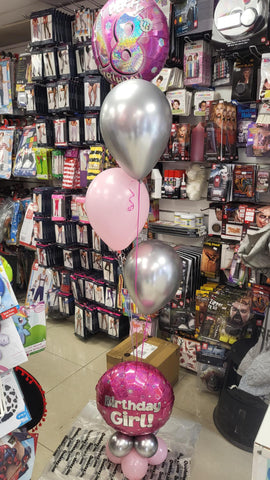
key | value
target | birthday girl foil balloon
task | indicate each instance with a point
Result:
(134, 398)
(130, 40)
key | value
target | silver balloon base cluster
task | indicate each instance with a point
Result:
(121, 444)
(136, 453)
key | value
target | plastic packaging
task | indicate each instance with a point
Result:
(180, 437)
(178, 217)
(188, 220)
(198, 220)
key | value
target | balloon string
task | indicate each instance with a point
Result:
(131, 329)
(137, 239)
(148, 318)
(136, 264)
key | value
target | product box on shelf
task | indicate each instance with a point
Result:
(157, 352)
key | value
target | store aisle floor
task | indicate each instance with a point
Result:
(68, 371)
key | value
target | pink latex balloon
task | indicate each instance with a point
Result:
(134, 467)
(112, 457)
(161, 453)
(130, 40)
(134, 398)
(112, 203)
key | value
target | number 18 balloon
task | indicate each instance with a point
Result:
(130, 40)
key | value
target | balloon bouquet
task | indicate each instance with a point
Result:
(130, 42)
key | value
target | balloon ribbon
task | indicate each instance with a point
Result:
(136, 260)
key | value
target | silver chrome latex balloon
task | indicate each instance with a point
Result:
(152, 275)
(120, 444)
(135, 122)
(146, 445)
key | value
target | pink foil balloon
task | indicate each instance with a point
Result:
(112, 203)
(134, 398)
(134, 467)
(112, 457)
(160, 455)
(130, 40)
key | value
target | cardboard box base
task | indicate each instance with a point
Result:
(159, 353)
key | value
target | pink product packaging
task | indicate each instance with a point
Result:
(80, 202)
(197, 63)
(58, 207)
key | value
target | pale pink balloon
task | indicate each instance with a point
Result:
(117, 207)
(161, 453)
(112, 457)
(134, 467)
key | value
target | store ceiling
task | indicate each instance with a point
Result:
(14, 16)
